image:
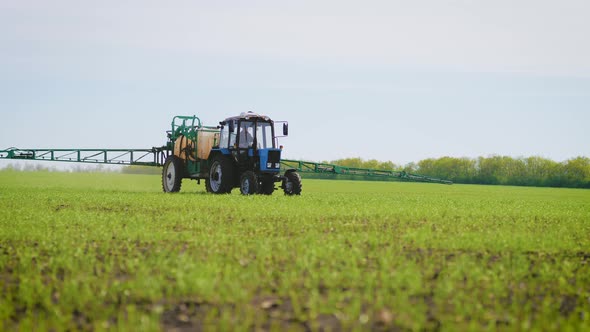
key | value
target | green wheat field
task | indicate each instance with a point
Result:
(105, 251)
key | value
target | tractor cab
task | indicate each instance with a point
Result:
(250, 139)
(242, 132)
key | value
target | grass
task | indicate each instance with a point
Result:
(110, 251)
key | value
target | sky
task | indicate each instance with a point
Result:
(396, 81)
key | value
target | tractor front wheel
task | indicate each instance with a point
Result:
(221, 176)
(267, 186)
(172, 174)
(292, 183)
(249, 183)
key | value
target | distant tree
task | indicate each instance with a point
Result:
(455, 169)
(576, 172)
(360, 163)
(410, 167)
(372, 164)
(541, 171)
(488, 170)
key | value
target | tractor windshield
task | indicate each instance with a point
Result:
(246, 134)
(262, 131)
(264, 137)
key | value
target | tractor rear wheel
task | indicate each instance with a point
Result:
(221, 176)
(292, 184)
(249, 183)
(172, 174)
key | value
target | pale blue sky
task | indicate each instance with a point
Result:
(389, 80)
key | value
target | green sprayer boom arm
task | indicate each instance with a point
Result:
(146, 157)
(312, 167)
(156, 156)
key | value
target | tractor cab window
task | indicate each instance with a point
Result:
(232, 135)
(224, 137)
(264, 135)
(246, 138)
(228, 138)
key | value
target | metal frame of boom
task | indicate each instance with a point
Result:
(312, 167)
(156, 156)
(145, 157)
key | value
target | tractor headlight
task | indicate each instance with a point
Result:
(277, 165)
(268, 165)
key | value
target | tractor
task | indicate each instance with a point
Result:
(241, 152)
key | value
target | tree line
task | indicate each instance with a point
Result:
(497, 170)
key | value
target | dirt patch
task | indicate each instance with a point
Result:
(185, 316)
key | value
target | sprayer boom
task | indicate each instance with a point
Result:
(156, 156)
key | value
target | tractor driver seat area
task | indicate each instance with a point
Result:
(246, 135)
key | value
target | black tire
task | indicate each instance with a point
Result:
(292, 184)
(249, 183)
(267, 186)
(172, 174)
(221, 176)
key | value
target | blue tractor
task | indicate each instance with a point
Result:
(242, 152)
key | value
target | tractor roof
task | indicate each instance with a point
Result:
(249, 116)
